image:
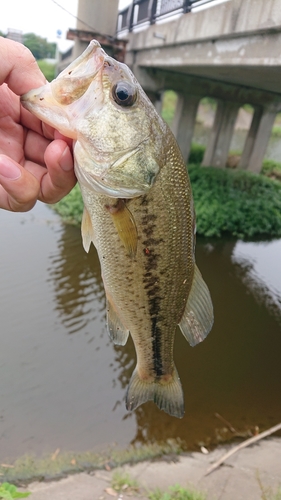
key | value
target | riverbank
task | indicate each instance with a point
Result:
(251, 474)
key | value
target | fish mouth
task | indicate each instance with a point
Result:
(49, 102)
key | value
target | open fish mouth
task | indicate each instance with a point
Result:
(67, 88)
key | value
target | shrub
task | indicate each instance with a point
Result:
(196, 153)
(48, 69)
(70, 208)
(235, 202)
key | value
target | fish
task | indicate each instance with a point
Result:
(138, 213)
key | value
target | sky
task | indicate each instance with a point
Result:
(43, 17)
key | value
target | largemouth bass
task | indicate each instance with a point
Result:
(138, 213)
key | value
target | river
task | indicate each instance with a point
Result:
(63, 382)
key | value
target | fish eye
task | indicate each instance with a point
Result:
(124, 93)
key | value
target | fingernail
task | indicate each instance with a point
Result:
(66, 160)
(9, 169)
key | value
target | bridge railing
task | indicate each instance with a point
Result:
(145, 12)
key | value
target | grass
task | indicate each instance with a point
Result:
(176, 493)
(123, 483)
(28, 467)
(267, 493)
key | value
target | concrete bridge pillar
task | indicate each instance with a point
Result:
(184, 122)
(95, 16)
(257, 138)
(219, 142)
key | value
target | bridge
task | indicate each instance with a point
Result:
(225, 49)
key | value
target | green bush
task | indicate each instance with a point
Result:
(271, 168)
(236, 202)
(71, 207)
(196, 153)
(48, 69)
(276, 131)
(169, 106)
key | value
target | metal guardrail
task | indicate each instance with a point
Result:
(149, 11)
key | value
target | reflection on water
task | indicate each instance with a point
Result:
(261, 267)
(63, 383)
(77, 283)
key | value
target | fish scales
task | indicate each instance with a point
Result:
(159, 275)
(138, 213)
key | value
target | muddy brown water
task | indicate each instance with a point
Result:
(62, 382)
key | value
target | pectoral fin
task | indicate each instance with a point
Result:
(125, 225)
(117, 332)
(198, 317)
(87, 230)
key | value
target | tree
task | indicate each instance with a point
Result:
(39, 46)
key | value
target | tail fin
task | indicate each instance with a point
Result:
(167, 395)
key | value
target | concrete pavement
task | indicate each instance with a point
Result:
(242, 477)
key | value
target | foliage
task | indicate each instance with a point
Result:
(3, 34)
(9, 491)
(272, 169)
(39, 46)
(123, 482)
(209, 101)
(47, 69)
(169, 106)
(196, 153)
(176, 493)
(71, 207)
(235, 202)
(276, 131)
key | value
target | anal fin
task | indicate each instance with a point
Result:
(198, 317)
(87, 230)
(168, 396)
(116, 330)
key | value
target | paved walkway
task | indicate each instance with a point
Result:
(239, 479)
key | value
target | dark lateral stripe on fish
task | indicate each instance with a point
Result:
(156, 340)
(154, 300)
(152, 289)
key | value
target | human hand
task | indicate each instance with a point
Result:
(35, 160)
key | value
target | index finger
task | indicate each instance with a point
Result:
(18, 68)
